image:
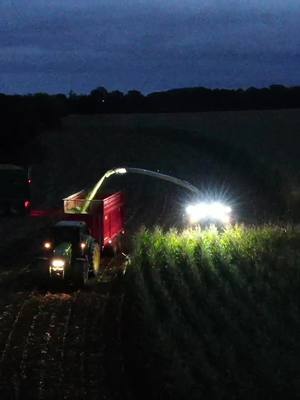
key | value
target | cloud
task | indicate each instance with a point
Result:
(172, 41)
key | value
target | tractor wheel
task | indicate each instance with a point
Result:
(95, 258)
(80, 273)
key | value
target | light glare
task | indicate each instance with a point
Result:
(121, 170)
(58, 263)
(209, 211)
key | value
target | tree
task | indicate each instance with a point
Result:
(100, 93)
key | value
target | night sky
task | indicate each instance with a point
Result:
(149, 45)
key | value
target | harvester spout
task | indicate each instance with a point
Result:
(141, 171)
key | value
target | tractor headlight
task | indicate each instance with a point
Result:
(204, 211)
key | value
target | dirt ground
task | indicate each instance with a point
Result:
(56, 342)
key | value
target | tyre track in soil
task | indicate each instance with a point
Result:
(53, 345)
(14, 347)
(93, 371)
(74, 350)
(114, 352)
(51, 374)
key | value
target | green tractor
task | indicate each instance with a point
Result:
(71, 253)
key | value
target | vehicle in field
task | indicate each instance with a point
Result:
(14, 189)
(92, 227)
(76, 244)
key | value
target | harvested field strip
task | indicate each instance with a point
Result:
(52, 345)
(93, 346)
(10, 314)
(73, 360)
(52, 372)
(12, 360)
(113, 354)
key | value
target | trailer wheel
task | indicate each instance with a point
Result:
(95, 258)
(80, 272)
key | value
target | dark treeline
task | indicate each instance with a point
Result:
(24, 117)
(184, 100)
(50, 108)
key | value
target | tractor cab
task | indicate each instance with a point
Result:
(75, 233)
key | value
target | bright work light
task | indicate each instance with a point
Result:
(58, 263)
(120, 171)
(204, 211)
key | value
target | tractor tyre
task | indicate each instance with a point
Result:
(80, 273)
(95, 259)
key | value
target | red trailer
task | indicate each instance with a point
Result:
(104, 216)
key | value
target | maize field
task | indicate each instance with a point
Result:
(211, 314)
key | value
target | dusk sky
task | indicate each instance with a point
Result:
(149, 45)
